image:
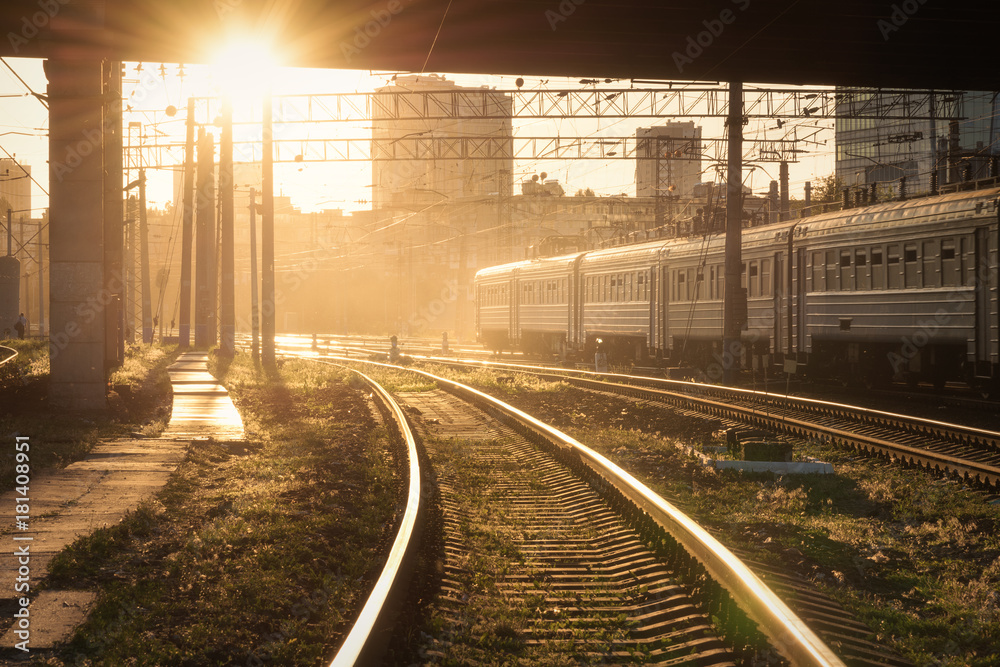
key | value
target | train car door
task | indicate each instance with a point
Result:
(800, 301)
(663, 304)
(778, 295)
(514, 304)
(576, 299)
(985, 295)
(651, 295)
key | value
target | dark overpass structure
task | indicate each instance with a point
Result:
(899, 44)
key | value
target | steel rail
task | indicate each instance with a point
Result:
(958, 433)
(769, 416)
(366, 640)
(787, 632)
(983, 472)
(11, 357)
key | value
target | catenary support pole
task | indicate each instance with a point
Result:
(147, 300)
(254, 303)
(735, 295)
(227, 297)
(187, 233)
(267, 242)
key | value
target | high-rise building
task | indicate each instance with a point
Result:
(15, 189)
(676, 149)
(881, 150)
(407, 184)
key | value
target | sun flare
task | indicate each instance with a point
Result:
(244, 69)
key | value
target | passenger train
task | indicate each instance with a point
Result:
(901, 290)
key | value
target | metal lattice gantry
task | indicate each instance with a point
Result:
(485, 148)
(345, 111)
(693, 101)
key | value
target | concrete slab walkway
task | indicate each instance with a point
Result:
(96, 492)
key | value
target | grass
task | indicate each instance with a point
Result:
(254, 553)
(917, 559)
(496, 382)
(58, 437)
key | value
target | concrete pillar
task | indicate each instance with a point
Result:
(114, 215)
(79, 299)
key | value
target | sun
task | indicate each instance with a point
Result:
(244, 69)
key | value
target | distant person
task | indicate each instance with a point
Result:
(393, 350)
(600, 359)
(21, 326)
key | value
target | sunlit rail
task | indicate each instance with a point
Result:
(9, 352)
(785, 630)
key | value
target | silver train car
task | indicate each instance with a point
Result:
(901, 290)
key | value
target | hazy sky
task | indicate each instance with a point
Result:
(314, 186)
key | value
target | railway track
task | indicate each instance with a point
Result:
(968, 453)
(550, 551)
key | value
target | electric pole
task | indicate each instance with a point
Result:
(204, 276)
(267, 240)
(184, 333)
(147, 306)
(227, 306)
(735, 299)
(254, 303)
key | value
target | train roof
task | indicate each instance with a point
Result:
(649, 248)
(922, 210)
(896, 214)
(528, 264)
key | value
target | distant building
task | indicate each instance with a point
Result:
(881, 151)
(15, 189)
(677, 148)
(403, 184)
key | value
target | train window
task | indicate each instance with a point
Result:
(629, 286)
(951, 269)
(681, 286)
(831, 270)
(932, 266)
(818, 272)
(765, 278)
(620, 295)
(753, 281)
(911, 271)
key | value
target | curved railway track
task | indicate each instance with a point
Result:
(962, 451)
(551, 550)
